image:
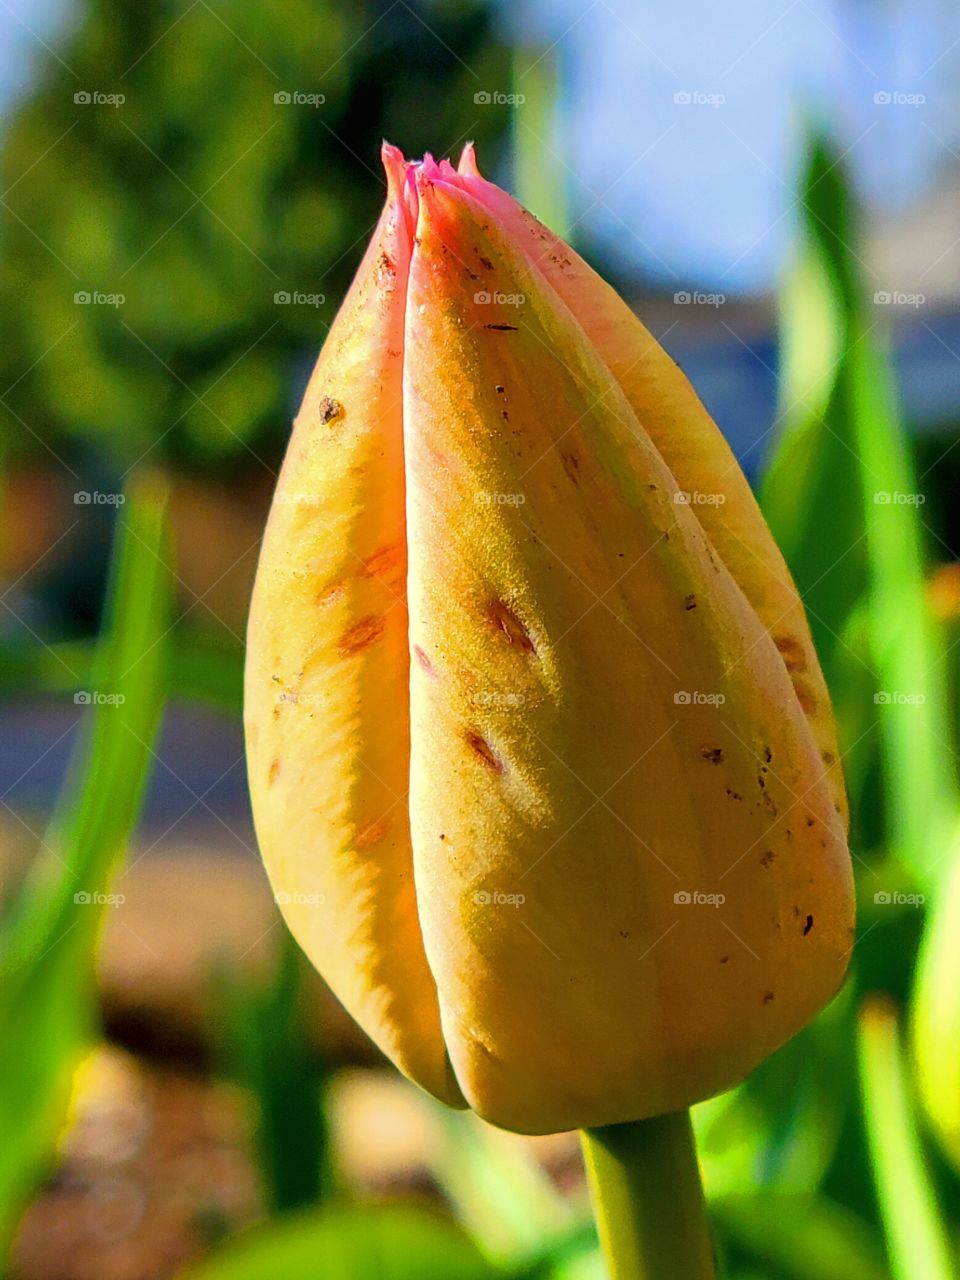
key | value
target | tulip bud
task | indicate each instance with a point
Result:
(542, 762)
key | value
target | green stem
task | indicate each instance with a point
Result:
(648, 1200)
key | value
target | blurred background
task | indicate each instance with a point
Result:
(187, 187)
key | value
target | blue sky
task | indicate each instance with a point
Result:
(706, 186)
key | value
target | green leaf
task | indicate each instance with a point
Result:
(47, 940)
(496, 1186)
(803, 1237)
(841, 498)
(266, 1047)
(917, 1235)
(386, 1242)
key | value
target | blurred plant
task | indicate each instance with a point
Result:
(265, 1047)
(178, 200)
(49, 932)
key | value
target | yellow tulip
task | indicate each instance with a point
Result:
(542, 761)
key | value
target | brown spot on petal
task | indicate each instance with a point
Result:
(503, 328)
(808, 925)
(690, 603)
(511, 626)
(373, 833)
(571, 465)
(768, 858)
(805, 697)
(272, 772)
(768, 998)
(423, 660)
(387, 565)
(792, 652)
(713, 754)
(360, 636)
(329, 410)
(486, 753)
(330, 592)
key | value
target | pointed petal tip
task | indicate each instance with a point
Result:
(467, 168)
(395, 167)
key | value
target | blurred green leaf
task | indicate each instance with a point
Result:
(47, 939)
(265, 1046)
(841, 497)
(540, 172)
(387, 1242)
(936, 1015)
(496, 1186)
(203, 667)
(803, 1237)
(917, 1235)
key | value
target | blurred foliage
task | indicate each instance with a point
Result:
(198, 198)
(389, 1242)
(49, 931)
(265, 1047)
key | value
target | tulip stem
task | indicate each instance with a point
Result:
(648, 1199)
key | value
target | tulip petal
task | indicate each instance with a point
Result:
(327, 674)
(689, 442)
(568, 782)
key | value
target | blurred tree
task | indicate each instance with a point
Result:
(146, 243)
